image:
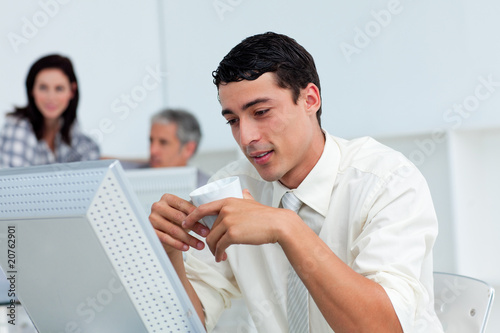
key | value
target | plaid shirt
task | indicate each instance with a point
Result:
(19, 146)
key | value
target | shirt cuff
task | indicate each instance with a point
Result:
(213, 289)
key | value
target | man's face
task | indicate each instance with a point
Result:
(165, 149)
(280, 138)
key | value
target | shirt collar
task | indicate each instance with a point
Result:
(316, 189)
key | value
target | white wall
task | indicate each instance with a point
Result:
(113, 45)
(476, 159)
(387, 66)
(422, 59)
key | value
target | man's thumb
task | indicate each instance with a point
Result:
(247, 195)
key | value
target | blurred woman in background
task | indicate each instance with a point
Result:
(46, 130)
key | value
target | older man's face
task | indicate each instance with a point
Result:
(165, 149)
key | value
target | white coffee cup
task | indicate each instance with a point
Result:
(219, 189)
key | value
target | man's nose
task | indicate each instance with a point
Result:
(153, 148)
(249, 132)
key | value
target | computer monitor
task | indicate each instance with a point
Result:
(81, 256)
(151, 183)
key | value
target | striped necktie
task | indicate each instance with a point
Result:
(297, 309)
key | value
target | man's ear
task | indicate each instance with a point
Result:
(188, 150)
(312, 98)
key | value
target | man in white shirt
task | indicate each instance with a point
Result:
(361, 240)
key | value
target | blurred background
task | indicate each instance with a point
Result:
(420, 76)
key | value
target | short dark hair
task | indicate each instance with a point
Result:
(32, 113)
(188, 128)
(270, 52)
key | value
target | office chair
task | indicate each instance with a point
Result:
(462, 303)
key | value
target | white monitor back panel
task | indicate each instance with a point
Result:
(151, 183)
(86, 257)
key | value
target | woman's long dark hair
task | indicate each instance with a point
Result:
(32, 113)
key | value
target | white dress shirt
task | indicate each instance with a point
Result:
(368, 203)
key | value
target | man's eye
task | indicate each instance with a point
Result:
(231, 121)
(261, 112)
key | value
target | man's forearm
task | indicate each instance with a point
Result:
(348, 301)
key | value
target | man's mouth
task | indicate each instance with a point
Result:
(263, 154)
(263, 157)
